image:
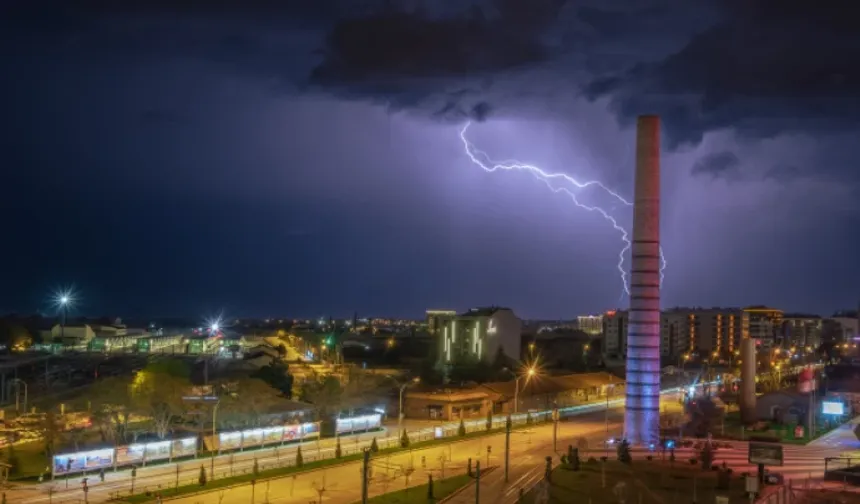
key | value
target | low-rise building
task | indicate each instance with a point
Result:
(446, 405)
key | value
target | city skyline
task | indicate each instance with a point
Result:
(227, 164)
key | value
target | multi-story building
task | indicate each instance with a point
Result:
(436, 319)
(703, 330)
(590, 324)
(765, 325)
(684, 330)
(481, 333)
(799, 330)
(615, 333)
(842, 327)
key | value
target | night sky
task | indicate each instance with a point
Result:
(303, 158)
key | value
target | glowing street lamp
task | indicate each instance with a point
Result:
(530, 372)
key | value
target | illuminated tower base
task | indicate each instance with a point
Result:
(642, 407)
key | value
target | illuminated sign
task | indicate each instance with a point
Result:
(832, 408)
(765, 453)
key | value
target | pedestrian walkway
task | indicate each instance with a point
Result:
(842, 437)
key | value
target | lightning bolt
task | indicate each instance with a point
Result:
(483, 160)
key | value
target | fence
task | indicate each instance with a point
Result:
(807, 491)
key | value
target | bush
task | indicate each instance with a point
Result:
(489, 420)
(707, 455)
(202, 478)
(300, 461)
(649, 458)
(430, 487)
(374, 447)
(338, 453)
(404, 440)
(623, 452)
(461, 430)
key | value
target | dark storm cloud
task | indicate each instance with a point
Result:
(759, 67)
(724, 164)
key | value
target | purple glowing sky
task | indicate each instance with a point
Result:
(184, 161)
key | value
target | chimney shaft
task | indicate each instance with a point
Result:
(642, 409)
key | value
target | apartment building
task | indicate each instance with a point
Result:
(801, 330)
(765, 325)
(684, 330)
(481, 333)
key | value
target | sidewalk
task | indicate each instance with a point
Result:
(842, 437)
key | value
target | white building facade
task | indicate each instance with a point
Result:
(481, 333)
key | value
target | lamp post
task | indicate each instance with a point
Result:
(529, 374)
(400, 407)
(18, 382)
(214, 439)
(64, 306)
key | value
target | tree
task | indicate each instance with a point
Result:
(300, 460)
(489, 419)
(277, 375)
(325, 393)
(623, 452)
(202, 478)
(255, 470)
(157, 391)
(12, 460)
(707, 456)
(112, 408)
(337, 451)
(251, 401)
(430, 487)
(461, 430)
(374, 447)
(404, 439)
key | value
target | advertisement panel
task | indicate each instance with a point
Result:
(765, 453)
(139, 453)
(268, 435)
(833, 408)
(68, 463)
(358, 424)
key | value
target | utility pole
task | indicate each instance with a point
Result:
(478, 482)
(365, 465)
(507, 445)
(555, 429)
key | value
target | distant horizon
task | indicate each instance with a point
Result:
(72, 315)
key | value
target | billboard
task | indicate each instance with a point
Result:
(765, 453)
(268, 435)
(358, 424)
(68, 463)
(832, 408)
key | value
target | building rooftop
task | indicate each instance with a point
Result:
(483, 311)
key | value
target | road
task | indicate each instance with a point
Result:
(342, 484)
(163, 476)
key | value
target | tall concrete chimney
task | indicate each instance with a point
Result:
(747, 392)
(642, 409)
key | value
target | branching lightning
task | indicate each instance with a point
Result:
(483, 160)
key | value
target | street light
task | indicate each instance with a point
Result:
(400, 408)
(214, 439)
(529, 373)
(17, 382)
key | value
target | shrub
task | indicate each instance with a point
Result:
(300, 461)
(202, 478)
(374, 446)
(404, 440)
(338, 453)
(461, 430)
(623, 452)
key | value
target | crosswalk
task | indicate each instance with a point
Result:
(799, 462)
